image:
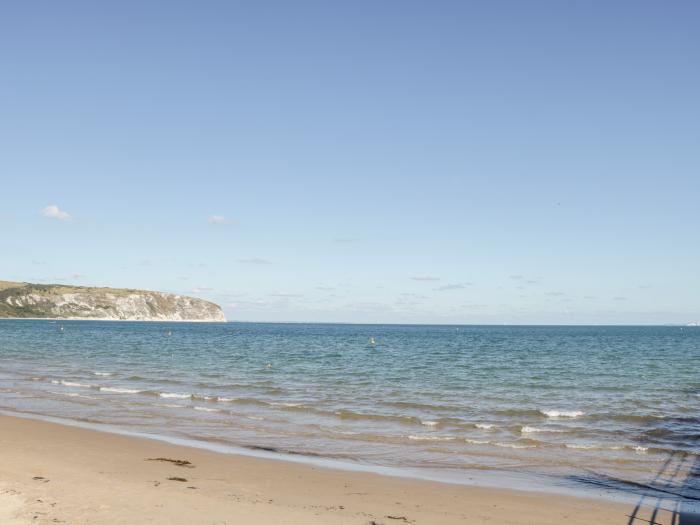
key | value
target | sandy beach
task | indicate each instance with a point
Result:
(51, 473)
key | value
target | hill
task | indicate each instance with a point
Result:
(27, 300)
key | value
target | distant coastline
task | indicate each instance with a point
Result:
(64, 302)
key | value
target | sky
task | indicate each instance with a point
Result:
(374, 162)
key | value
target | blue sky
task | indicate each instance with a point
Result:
(437, 162)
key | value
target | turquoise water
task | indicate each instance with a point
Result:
(584, 403)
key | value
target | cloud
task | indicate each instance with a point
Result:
(254, 260)
(425, 278)
(286, 295)
(555, 294)
(455, 286)
(325, 288)
(516, 277)
(54, 212)
(619, 298)
(218, 219)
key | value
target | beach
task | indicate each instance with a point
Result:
(309, 424)
(52, 473)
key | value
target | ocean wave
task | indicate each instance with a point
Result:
(207, 409)
(515, 445)
(562, 413)
(72, 394)
(171, 395)
(476, 441)
(351, 415)
(430, 438)
(70, 383)
(102, 374)
(589, 446)
(117, 390)
(485, 426)
(430, 423)
(537, 430)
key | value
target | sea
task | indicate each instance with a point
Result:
(613, 409)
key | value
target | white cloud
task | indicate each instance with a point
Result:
(218, 219)
(425, 278)
(54, 212)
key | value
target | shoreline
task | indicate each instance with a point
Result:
(52, 472)
(486, 479)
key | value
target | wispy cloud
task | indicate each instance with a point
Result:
(218, 219)
(52, 211)
(325, 288)
(555, 294)
(425, 278)
(516, 277)
(619, 298)
(454, 286)
(286, 295)
(254, 260)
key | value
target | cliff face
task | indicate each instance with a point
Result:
(79, 302)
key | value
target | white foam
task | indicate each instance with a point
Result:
(119, 390)
(206, 409)
(513, 445)
(562, 413)
(429, 423)
(430, 438)
(534, 430)
(641, 450)
(476, 441)
(69, 383)
(581, 447)
(485, 426)
(102, 374)
(168, 405)
(169, 395)
(72, 394)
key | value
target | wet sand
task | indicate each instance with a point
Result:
(51, 473)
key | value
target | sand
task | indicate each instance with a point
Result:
(51, 473)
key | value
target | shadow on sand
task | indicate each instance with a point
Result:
(672, 497)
